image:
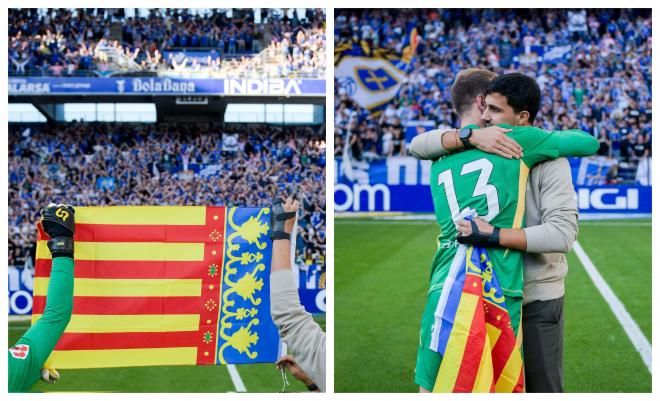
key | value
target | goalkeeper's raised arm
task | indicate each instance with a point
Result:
(298, 330)
(29, 354)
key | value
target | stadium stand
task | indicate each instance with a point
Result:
(173, 162)
(165, 164)
(594, 70)
(168, 42)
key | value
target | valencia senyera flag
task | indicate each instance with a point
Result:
(161, 285)
(473, 330)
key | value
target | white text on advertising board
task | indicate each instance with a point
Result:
(594, 198)
(261, 87)
(20, 87)
(353, 194)
(158, 86)
(21, 284)
(320, 300)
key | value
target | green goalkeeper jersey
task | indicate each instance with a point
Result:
(495, 187)
(28, 356)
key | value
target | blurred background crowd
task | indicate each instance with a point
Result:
(231, 43)
(593, 66)
(204, 164)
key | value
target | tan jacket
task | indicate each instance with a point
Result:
(550, 219)
(551, 229)
(303, 336)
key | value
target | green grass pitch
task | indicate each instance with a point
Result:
(381, 279)
(166, 379)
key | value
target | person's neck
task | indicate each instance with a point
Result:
(469, 120)
(471, 117)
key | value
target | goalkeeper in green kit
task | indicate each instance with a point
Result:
(491, 186)
(28, 356)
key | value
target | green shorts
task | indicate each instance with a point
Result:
(428, 361)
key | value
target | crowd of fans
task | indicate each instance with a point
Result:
(73, 42)
(594, 68)
(204, 164)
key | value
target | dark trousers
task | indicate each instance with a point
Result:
(543, 346)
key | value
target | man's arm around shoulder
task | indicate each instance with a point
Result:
(428, 146)
(436, 143)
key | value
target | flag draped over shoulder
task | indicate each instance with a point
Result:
(473, 331)
(372, 77)
(165, 285)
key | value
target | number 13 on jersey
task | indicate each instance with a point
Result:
(482, 187)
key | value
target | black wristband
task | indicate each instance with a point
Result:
(61, 246)
(312, 387)
(477, 238)
(496, 236)
(275, 235)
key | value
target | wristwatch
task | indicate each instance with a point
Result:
(464, 135)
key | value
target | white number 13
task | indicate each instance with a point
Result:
(481, 188)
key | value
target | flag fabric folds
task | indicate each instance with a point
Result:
(372, 77)
(473, 330)
(165, 285)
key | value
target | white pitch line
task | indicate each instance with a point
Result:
(17, 328)
(380, 222)
(236, 379)
(616, 223)
(20, 318)
(629, 325)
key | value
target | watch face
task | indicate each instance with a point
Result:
(464, 133)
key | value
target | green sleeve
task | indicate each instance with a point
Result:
(45, 333)
(539, 145)
(576, 143)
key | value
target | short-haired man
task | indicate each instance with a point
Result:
(467, 98)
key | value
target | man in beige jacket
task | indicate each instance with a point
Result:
(303, 336)
(551, 228)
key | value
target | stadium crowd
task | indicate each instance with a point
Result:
(209, 164)
(593, 66)
(91, 42)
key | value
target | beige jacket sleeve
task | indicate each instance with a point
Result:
(427, 146)
(298, 330)
(555, 208)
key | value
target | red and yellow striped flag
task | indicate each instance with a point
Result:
(481, 351)
(165, 285)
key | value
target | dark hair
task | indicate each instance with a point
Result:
(469, 84)
(521, 91)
